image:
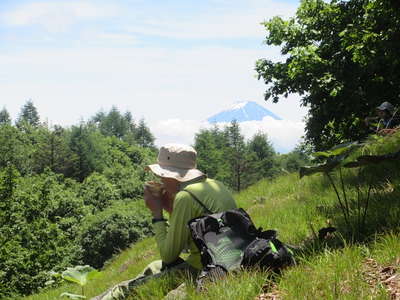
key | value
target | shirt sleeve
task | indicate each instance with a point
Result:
(171, 240)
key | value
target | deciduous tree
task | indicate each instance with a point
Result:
(342, 58)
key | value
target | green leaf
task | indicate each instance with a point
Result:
(325, 168)
(321, 154)
(79, 274)
(372, 159)
(72, 296)
(49, 282)
(342, 149)
(332, 162)
(352, 164)
(334, 158)
(54, 274)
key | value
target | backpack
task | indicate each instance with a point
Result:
(229, 240)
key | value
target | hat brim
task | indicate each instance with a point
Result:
(181, 175)
(384, 107)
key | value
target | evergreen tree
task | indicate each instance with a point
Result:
(52, 151)
(261, 146)
(225, 156)
(131, 123)
(236, 153)
(292, 161)
(88, 147)
(112, 123)
(4, 117)
(15, 149)
(122, 126)
(210, 147)
(261, 158)
(130, 136)
(28, 115)
(144, 137)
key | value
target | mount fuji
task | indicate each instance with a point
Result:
(241, 112)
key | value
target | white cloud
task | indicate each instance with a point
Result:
(284, 134)
(117, 38)
(153, 83)
(226, 19)
(225, 23)
(107, 67)
(176, 131)
(56, 16)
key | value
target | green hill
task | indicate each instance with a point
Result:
(360, 261)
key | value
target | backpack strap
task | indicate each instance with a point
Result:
(199, 202)
(391, 119)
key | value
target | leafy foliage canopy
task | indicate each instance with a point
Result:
(342, 58)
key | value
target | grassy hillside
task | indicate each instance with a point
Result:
(358, 262)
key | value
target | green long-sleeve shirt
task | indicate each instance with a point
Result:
(173, 239)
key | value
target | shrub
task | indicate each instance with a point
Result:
(31, 242)
(113, 229)
(97, 191)
(127, 180)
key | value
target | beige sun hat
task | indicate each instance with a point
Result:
(176, 161)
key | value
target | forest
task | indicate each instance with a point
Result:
(68, 194)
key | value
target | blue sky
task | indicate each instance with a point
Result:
(174, 63)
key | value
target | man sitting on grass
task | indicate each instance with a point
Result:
(385, 121)
(176, 167)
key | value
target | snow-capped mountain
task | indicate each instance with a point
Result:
(243, 111)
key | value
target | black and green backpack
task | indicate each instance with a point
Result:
(229, 240)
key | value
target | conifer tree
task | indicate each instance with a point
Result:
(236, 153)
(28, 115)
(261, 158)
(87, 145)
(52, 151)
(113, 123)
(144, 137)
(4, 117)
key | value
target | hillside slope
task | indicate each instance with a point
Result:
(358, 262)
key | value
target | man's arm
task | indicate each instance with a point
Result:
(171, 240)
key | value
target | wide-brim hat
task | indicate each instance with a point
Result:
(176, 161)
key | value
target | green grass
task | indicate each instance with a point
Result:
(329, 275)
(124, 266)
(333, 269)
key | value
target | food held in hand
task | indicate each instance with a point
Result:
(154, 187)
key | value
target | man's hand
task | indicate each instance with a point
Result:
(153, 203)
(167, 202)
